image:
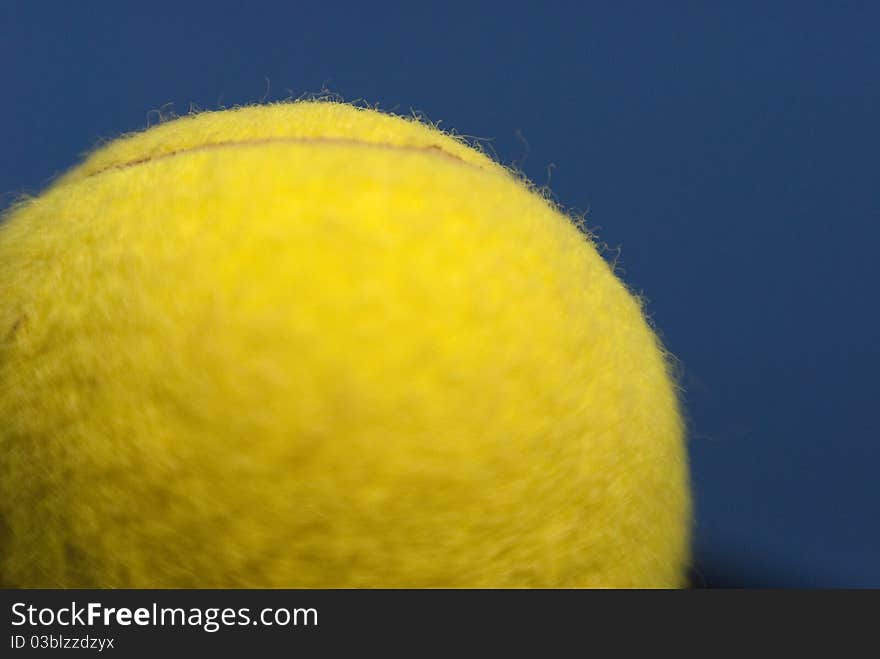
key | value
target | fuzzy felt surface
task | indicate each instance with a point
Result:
(310, 345)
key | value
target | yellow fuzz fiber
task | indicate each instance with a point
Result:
(311, 345)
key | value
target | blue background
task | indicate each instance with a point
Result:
(727, 154)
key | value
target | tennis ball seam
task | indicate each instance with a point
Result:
(432, 150)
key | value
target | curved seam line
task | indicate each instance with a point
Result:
(432, 149)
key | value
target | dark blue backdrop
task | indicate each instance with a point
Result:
(729, 150)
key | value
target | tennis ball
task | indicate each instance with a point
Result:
(311, 345)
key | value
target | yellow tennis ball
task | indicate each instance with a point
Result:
(310, 345)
